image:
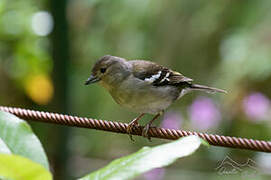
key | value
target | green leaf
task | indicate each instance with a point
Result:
(17, 136)
(20, 168)
(146, 159)
(4, 148)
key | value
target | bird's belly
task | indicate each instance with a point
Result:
(148, 99)
(146, 104)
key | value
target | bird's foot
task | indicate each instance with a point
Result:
(145, 131)
(132, 125)
(130, 128)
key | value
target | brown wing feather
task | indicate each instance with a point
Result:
(176, 77)
(145, 70)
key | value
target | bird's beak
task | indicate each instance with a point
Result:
(92, 79)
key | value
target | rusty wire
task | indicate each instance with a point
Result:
(118, 127)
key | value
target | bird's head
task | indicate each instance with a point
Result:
(108, 70)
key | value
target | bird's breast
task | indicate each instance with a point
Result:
(143, 98)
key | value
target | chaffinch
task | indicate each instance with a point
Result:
(142, 86)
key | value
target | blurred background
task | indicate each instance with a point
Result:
(47, 49)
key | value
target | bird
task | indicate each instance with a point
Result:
(144, 87)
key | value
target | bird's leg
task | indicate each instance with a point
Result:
(132, 124)
(148, 125)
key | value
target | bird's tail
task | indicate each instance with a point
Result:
(206, 88)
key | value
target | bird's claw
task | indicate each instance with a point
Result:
(145, 132)
(130, 128)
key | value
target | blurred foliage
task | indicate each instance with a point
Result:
(24, 55)
(220, 43)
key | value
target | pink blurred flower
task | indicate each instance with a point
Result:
(172, 120)
(204, 114)
(155, 174)
(256, 105)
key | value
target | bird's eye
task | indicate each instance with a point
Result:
(103, 70)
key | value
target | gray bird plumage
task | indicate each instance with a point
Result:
(142, 86)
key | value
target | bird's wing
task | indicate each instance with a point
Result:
(157, 75)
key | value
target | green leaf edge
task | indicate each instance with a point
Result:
(96, 174)
(27, 127)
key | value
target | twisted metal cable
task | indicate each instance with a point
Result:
(118, 127)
